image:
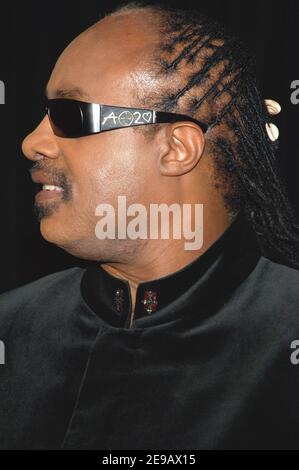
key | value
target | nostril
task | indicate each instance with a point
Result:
(38, 156)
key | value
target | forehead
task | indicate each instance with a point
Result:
(105, 62)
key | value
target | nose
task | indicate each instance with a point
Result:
(41, 142)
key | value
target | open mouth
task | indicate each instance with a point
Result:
(48, 186)
(48, 191)
(51, 187)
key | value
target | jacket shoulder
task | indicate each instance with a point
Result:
(269, 300)
(37, 293)
(283, 278)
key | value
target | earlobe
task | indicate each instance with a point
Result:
(185, 146)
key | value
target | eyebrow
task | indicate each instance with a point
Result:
(75, 92)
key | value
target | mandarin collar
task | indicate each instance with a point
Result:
(205, 282)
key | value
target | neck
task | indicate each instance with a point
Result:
(159, 258)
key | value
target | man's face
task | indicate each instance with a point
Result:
(103, 63)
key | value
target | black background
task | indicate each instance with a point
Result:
(34, 33)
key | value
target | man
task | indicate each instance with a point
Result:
(154, 346)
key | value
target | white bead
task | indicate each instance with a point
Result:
(272, 131)
(273, 107)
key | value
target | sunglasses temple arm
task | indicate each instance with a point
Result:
(161, 117)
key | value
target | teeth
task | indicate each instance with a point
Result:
(50, 187)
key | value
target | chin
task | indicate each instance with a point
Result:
(70, 240)
(52, 221)
(51, 230)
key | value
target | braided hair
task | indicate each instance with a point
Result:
(209, 75)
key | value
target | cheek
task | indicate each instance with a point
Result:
(106, 166)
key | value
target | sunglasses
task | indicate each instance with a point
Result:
(71, 118)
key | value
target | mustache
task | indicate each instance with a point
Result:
(54, 174)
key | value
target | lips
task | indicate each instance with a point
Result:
(46, 181)
(49, 187)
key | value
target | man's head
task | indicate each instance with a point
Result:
(167, 60)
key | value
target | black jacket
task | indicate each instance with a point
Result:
(206, 365)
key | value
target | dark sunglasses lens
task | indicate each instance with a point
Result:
(66, 118)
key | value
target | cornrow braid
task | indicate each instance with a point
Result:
(210, 75)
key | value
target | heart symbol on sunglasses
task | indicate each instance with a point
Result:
(147, 117)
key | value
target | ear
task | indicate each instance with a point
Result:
(185, 143)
